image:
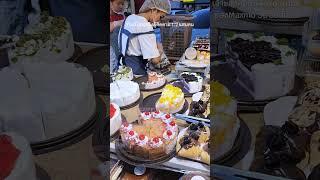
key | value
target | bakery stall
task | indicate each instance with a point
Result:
(268, 64)
(152, 116)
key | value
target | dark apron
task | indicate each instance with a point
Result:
(137, 63)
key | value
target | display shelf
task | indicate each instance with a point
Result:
(175, 164)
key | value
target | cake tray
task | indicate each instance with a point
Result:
(94, 60)
(148, 104)
(142, 79)
(178, 83)
(73, 136)
(129, 158)
(133, 104)
(240, 147)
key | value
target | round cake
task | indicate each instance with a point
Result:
(53, 99)
(46, 39)
(192, 81)
(123, 73)
(16, 158)
(124, 93)
(115, 118)
(155, 80)
(153, 136)
(171, 100)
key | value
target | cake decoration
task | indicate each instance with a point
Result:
(123, 73)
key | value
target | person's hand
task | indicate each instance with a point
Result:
(156, 60)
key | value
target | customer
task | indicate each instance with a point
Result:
(137, 40)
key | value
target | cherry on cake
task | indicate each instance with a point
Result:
(155, 80)
(153, 136)
(16, 158)
(171, 100)
(115, 118)
(44, 100)
(124, 93)
(45, 39)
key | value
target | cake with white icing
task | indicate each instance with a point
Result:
(124, 93)
(192, 81)
(155, 80)
(123, 73)
(47, 101)
(153, 136)
(272, 8)
(115, 118)
(265, 65)
(16, 158)
(45, 39)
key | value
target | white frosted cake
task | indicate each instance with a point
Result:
(265, 65)
(115, 118)
(46, 39)
(155, 80)
(47, 101)
(273, 8)
(16, 158)
(193, 82)
(124, 93)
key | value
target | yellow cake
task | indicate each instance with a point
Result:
(171, 100)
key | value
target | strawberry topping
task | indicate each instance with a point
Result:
(131, 133)
(141, 137)
(147, 113)
(112, 110)
(172, 123)
(168, 116)
(169, 133)
(156, 139)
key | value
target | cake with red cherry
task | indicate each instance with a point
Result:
(154, 135)
(115, 118)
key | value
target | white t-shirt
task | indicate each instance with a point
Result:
(142, 45)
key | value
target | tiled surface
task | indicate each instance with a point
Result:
(72, 163)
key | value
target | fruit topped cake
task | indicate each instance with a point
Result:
(155, 80)
(46, 39)
(115, 118)
(153, 136)
(192, 81)
(222, 102)
(193, 143)
(265, 66)
(171, 100)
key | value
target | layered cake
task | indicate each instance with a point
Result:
(153, 136)
(123, 73)
(193, 143)
(155, 80)
(171, 100)
(225, 130)
(192, 81)
(202, 107)
(124, 93)
(53, 98)
(265, 66)
(16, 158)
(115, 118)
(222, 101)
(46, 39)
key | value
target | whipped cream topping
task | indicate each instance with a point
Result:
(132, 136)
(167, 118)
(143, 142)
(126, 127)
(146, 115)
(155, 144)
(168, 137)
(172, 126)
(157, 114)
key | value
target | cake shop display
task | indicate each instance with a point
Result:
(153, 136)
(265, 65)
(53, 98)
(16, 158)
(172, 99)
(193, 143)
(124, 93)
(115, 118)
(45, 39)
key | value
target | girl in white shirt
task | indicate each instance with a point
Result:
(137, 40)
